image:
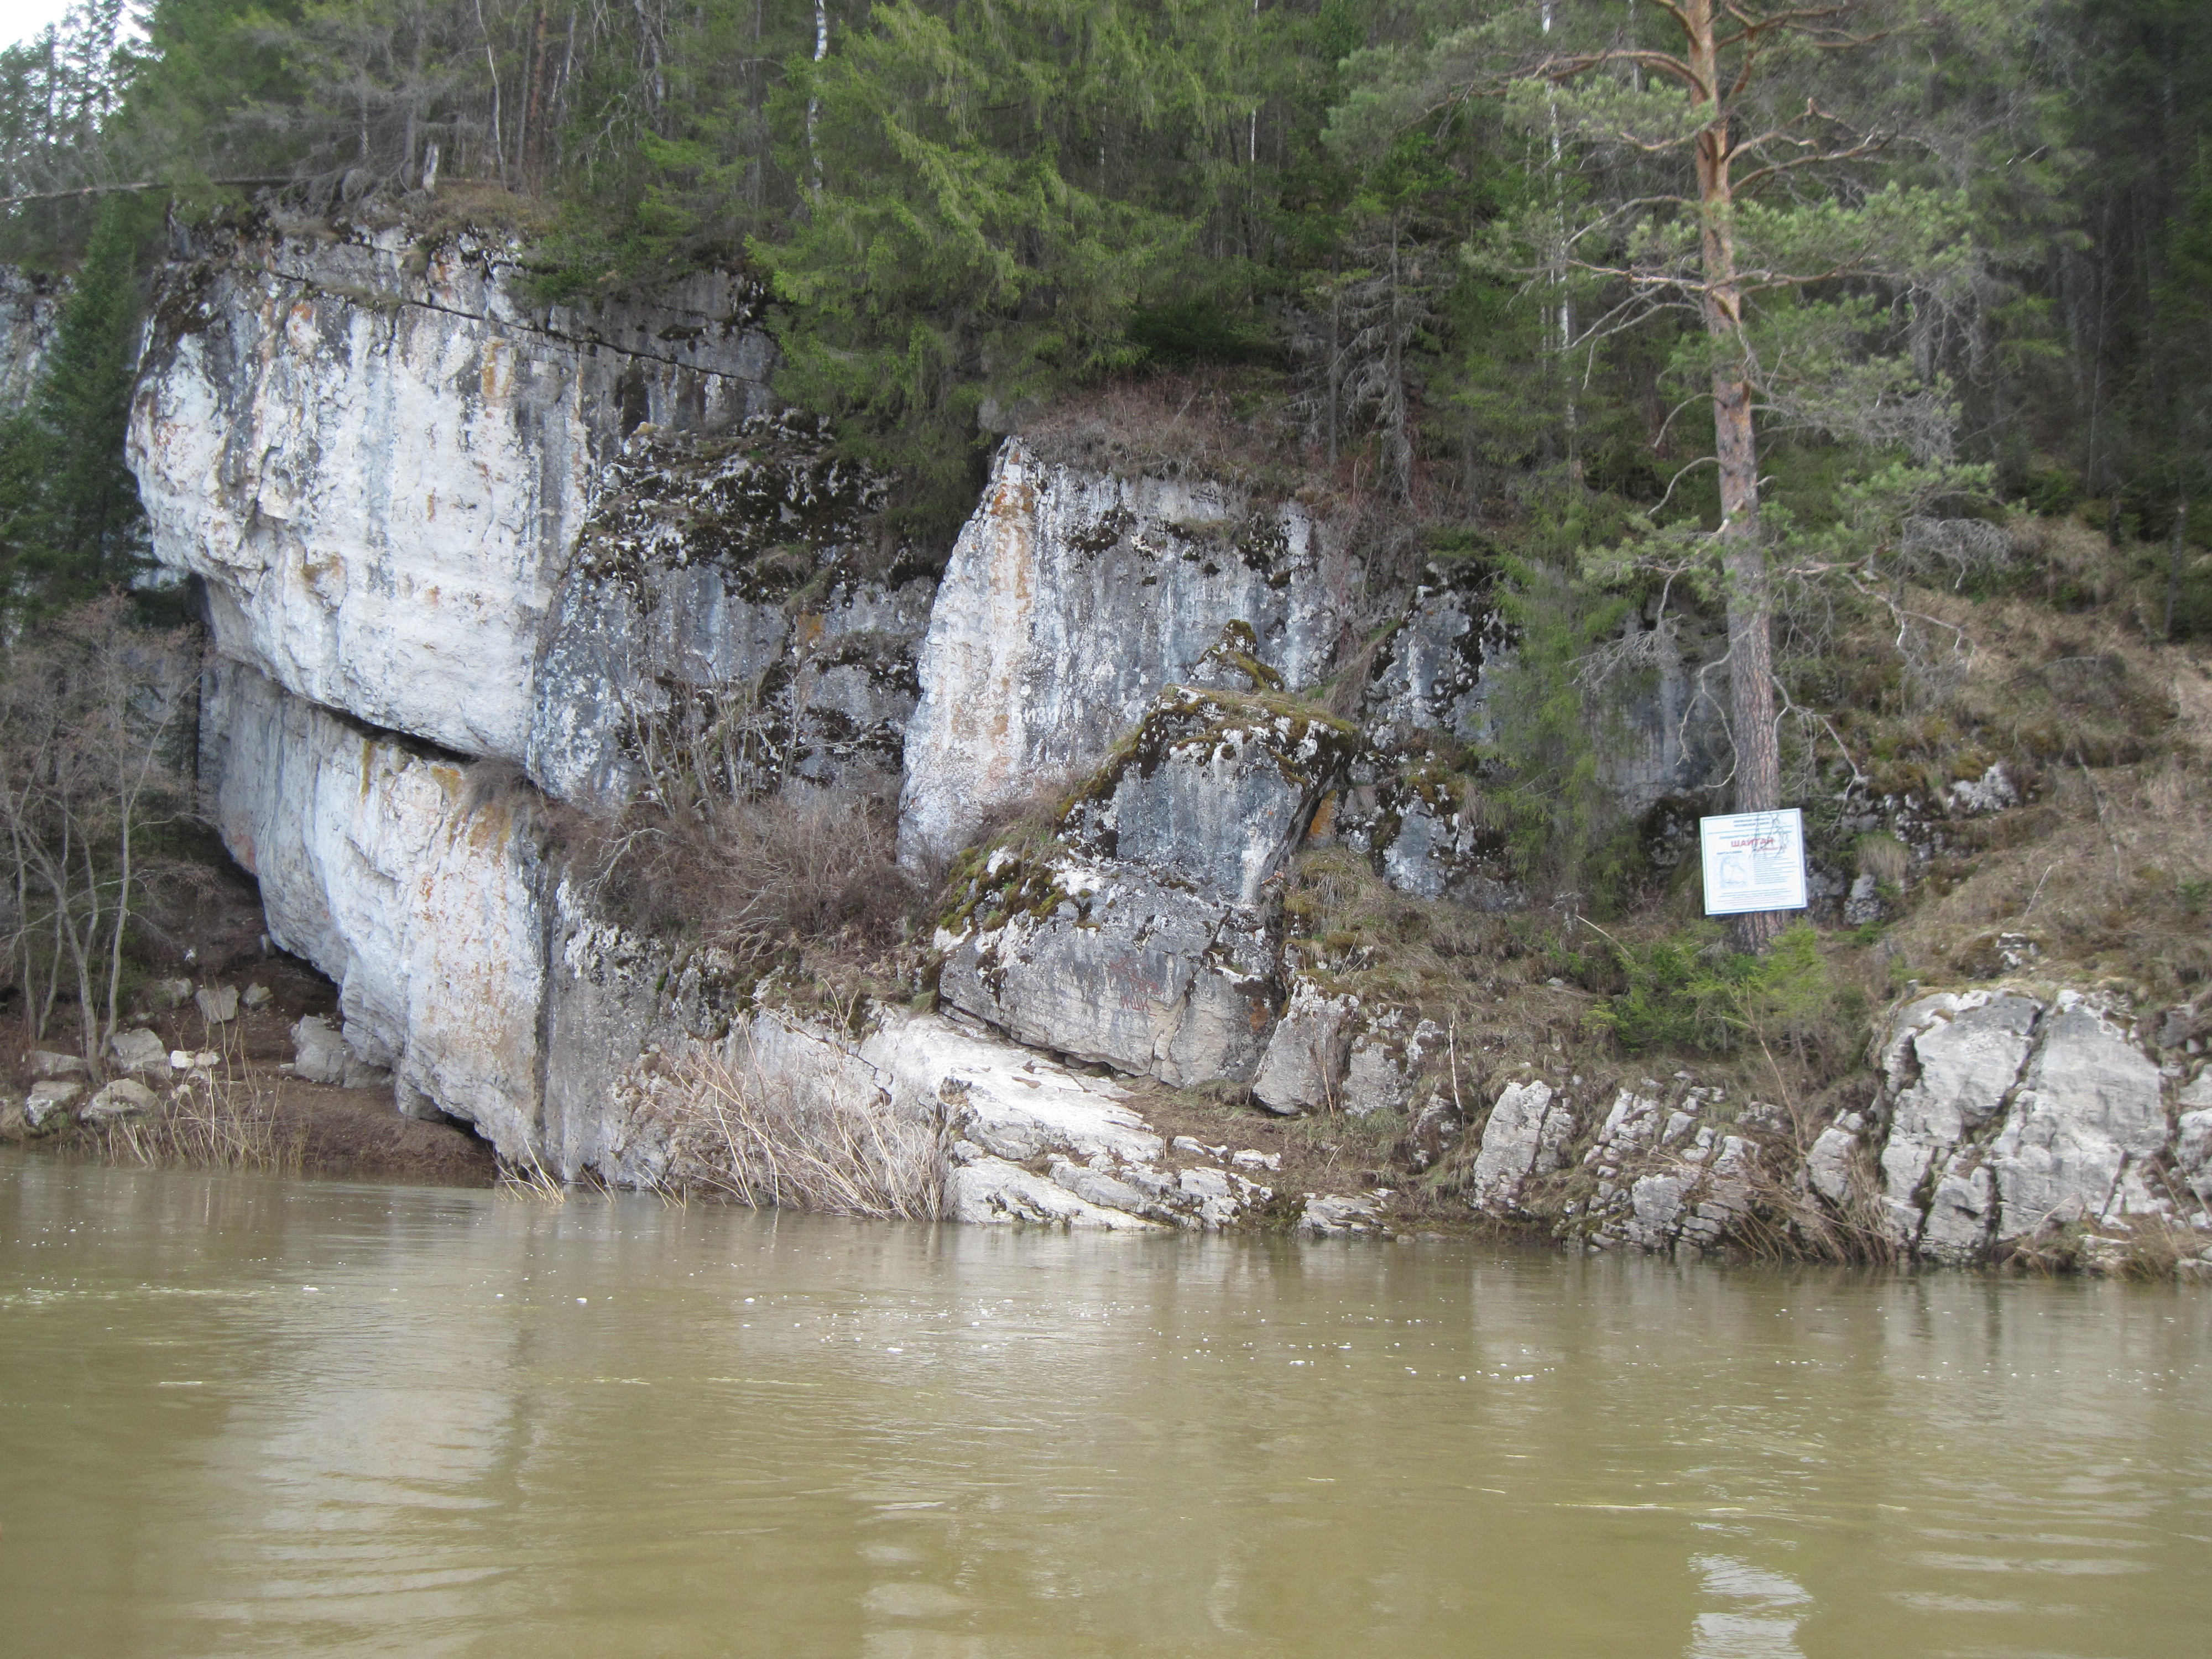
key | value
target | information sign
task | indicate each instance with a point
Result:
(1753, 861)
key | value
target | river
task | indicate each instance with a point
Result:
(241, 1415)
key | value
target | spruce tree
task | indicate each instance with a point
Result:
(88, 529)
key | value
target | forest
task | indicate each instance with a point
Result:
(1445, 228)
(1760, 310)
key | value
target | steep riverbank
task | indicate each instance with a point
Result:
(664, 817)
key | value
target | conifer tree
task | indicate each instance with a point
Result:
(87, 530)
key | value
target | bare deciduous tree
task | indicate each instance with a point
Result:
(93, 714)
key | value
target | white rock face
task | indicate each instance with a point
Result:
(379, 468)
(1149, 944)
(1968, 1052)
(1526, 1135)
(376, 866)
(29, 306)
(1830, 1162)
(1214, 790)
(2008, 1116)
(1070, 600)
(741, 572)
(1006, 1108)
(2091, 1115)
(1015, 1136)
(989, 1191)
(2192, 1142)
(1118, 969)
(1334, 1215)
(1015, 1104)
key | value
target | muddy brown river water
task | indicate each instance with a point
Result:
(242, 1415)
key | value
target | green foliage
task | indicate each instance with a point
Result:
(990, 196)
(71, 523)
(1187, 332)
(1555, 723)
(1689, 993)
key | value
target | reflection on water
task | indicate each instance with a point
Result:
(242, 1416)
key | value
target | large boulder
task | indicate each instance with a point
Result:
(124, 1097)
(50, 1101)
(1527, 1134)
(1303, 1070)
(138, 1048)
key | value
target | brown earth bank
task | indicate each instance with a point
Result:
(250, 1109)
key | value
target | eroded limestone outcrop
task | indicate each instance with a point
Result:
(379, 454)
(731, 592)
(2009, 1113)
(461, 553)
(1145, 935)
(1071, 600)
(420, 896)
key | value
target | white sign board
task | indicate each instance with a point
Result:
(1753, 861)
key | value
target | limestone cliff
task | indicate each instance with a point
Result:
(470, 563)
(1072, 599)
(379, 456)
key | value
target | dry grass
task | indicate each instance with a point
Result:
(2150, 1247)
(1231, 424)
(2108, 875)
(789, 1138)
(214, 1119)
(1788, 1222)
(748, 876)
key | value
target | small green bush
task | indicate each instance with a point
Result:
(1690, 992)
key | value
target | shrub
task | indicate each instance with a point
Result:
(1688, 992)
(789, 1136)
(748, 876)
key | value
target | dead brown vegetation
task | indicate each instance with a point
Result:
(787, 1136)
(1233, 424)
(754, 876)
(2105, 870)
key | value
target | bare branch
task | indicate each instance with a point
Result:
(142, 184)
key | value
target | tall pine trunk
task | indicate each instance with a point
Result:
(1735, 441)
